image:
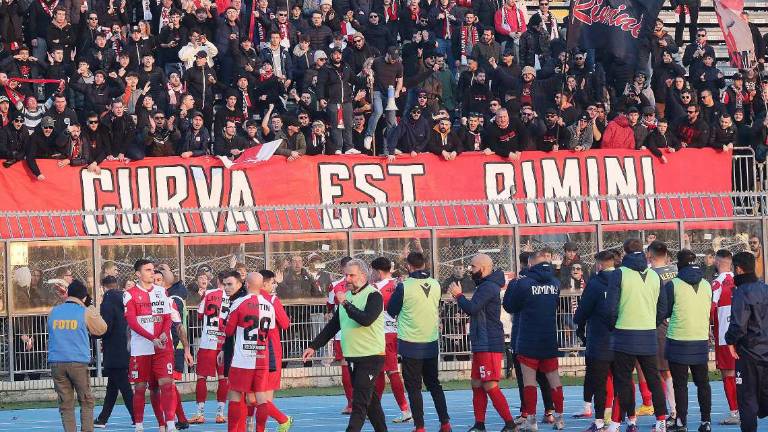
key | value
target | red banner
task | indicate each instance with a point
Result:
(736, 32)
(184, 185)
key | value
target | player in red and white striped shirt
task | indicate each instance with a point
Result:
(148, 311)
(212, 311)
(382, 268)
(346, 378)
(722, 293)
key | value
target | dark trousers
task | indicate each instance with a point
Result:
(595, 378)
(541, 380)
(623, 365)
(414, 372)
(365, 401)
(693, 26)
(751, 391)
(703, 390)
(117, 380)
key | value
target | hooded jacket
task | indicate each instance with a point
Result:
(618, 134)
(685, 351)
(634, 342)
(115, 340)
(749, 313)
(486, 332)
(590, 314)
(533, 299)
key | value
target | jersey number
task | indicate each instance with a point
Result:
(258, 329)
(212, 316)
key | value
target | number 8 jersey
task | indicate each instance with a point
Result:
(250, 318)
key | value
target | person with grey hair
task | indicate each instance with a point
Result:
(360, 319)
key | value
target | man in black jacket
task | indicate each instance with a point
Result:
(693, 131)
(228, 142)
(504, 136)
(115, 351)
(14, 145)
(122, 133)
(747, 339)
(444, 142)
(334, 90)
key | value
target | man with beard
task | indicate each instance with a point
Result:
(122, 132)
(555, 135)
(504, 74)
(356, 53)
(476, 95)
(470, 134)
(195, 138)
(693, 131)
(504, 136)
(201, 80)
(334, 90)
(15, 146)
(162, 137)
(444, 142)
(80, 151)
(409, 137)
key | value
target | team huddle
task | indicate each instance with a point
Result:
(638, 312)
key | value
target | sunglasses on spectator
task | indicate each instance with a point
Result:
(303, 117)
(93, 122)
(685, 96)
(702, 35)
(160, 118)
(48, 127)
(551, 115)
(576, 268)
(18, 120)
(282, 14)
(373, 16)
(543, 4)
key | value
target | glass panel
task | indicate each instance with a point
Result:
(205, 257)
(615, 235)
(41, 272)
(455, 249)
(395, 245)
(119, 255)
(705, 238)
(306, 263)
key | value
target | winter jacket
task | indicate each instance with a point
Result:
(198, 143)
(636, 342)
(533, 43)
(575, 140)
(319, 37)
(486, 333)
(435, 145)
(689, 352)
(335, 84)
(355, 58)
(590, 314)
(199, 86)
(749, 315)
(504, 141)
(719, 137)
(533, 299)
(695, 135)
(618, 134)
(122, 132)
(115, 340)
(409, 136)
(655, 141)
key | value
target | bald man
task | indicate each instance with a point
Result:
(487, 340)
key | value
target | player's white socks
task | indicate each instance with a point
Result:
(171, 425)
(670, 395)
(220, 408)
(200, 408)
(613, 427)
(599, 423)
(139, 427)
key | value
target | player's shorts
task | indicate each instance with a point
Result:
(337, 354)
(207, 365)
(723, 358)
(486, 366)
(543, 365)
(390, 359)
(274, 379)
(149, 368)
(248, 380)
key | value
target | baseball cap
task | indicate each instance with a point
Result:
(4, 99)
(632, 109)
(737, 76)
(320, 54)
(197, 114)
(649, 110)
(393, 52)
(529, 70)
(135, 29)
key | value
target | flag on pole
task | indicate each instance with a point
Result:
(736, 32)
(612, 26)
(252, 156)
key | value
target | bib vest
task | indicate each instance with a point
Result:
(68, 340)
(639, 296)
(357, 340)
(418, 320)
(690, 313)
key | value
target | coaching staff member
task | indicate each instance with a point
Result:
(69, 353)
(361, 322)
(416, 304)
(747, 339)
(115, 348)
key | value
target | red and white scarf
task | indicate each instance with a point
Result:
(469, 38)
(390, 12)
(48, 8)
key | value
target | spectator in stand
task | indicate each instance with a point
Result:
(580, 134)
(410, 136)
(510, 23)
(228, 142)
(195, 138)
(80, 151)
(504, 136)
(723, 134)
(122, 130)
(534, 43)
(555, 134)
(693, 131)
(661, 138)
(707, 77)
(694, 54)
(757, 40)
(711, 108)
(443, 142)
(618, 134)
(15, 146)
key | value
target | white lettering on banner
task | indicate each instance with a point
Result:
(500, 186)
(166, 201)
(90, 204)
(566, 186)
(135, 191)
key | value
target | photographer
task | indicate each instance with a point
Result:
(69, 353)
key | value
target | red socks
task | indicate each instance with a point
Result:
(275, 413)
(180, 415)
(501, 405)
(380, 384)
(646, 393)
(250, 410)
(154, 399)
(221, 392)
(168, 394)
(557, 399)
(261, 417)
(529, 400)
(609, 390)
(479, 404)
(235, 416)
(729, 383)
(398, 390)
(139, 400)
(201, 390)
(346, 381)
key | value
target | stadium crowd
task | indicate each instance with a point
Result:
(85, 82)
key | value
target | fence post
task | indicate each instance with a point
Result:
(599, 234)
(681, 233)
(9, 305)
(267, 251)
(433, 245)
(517, 248)
(96, 271)
(182, 266)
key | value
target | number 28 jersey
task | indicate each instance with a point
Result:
(213, 310)
(250, 318)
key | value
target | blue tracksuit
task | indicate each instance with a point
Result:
(534, 298)
(590, 313)
(486, 333)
